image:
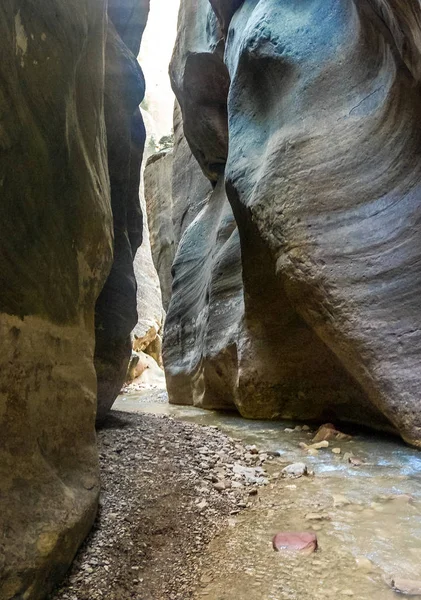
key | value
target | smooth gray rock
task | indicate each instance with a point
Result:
(320, 146)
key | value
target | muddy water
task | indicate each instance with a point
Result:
(367, 518)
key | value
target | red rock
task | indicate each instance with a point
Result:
(304, 542)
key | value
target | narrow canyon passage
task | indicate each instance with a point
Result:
(210, 273)
(192, 499)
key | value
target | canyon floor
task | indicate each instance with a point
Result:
(191, 500)
(158, 509)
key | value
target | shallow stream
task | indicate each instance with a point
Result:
(367, 518)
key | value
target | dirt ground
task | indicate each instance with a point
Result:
(161, 504)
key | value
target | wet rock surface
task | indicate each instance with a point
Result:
(295, 542)
(159, 507)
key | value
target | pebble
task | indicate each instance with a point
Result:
(295, 470)
(317, 517)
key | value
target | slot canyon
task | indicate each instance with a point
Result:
(209, 302)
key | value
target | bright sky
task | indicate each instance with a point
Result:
(155, 54)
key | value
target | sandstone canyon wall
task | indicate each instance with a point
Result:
(307, 115)
(175, 191)
(56, 253)
(116, 308)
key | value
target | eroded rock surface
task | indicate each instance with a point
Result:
(56, 252)
(323, 175)
(158, 193)
(175, 192)
(57, 221)
(116, 309)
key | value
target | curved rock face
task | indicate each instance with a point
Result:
(56, 252)
(158, 196)
(175, 192)
(323, 174)
(200, 351)
(116, 309)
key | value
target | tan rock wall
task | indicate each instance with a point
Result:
(61, 146)
(56, 245)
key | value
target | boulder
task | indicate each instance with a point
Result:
(55, 255)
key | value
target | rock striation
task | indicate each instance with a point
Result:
(175, 192)
(308, 115)
(67, 129)
(116, 308)
(158, 196)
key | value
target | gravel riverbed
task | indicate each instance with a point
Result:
(168, 489)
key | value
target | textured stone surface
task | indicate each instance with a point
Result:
(323, 175)
(116, 309)
(338, 220)
(56, 244)
(175, 192)
(200, 349)
(190, 187)
(149, 299)
(158, 195)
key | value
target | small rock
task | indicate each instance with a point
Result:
(364, 564)
(329, 432)
(339, 501)
(305, 542)
(406, 586)
(312, 452)
(355, 462)
(295, 470)
(401, 498)
(319, 445)
(317, 517)
(306, 428)
(219, 486)
(236, 485)
(336, 450)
